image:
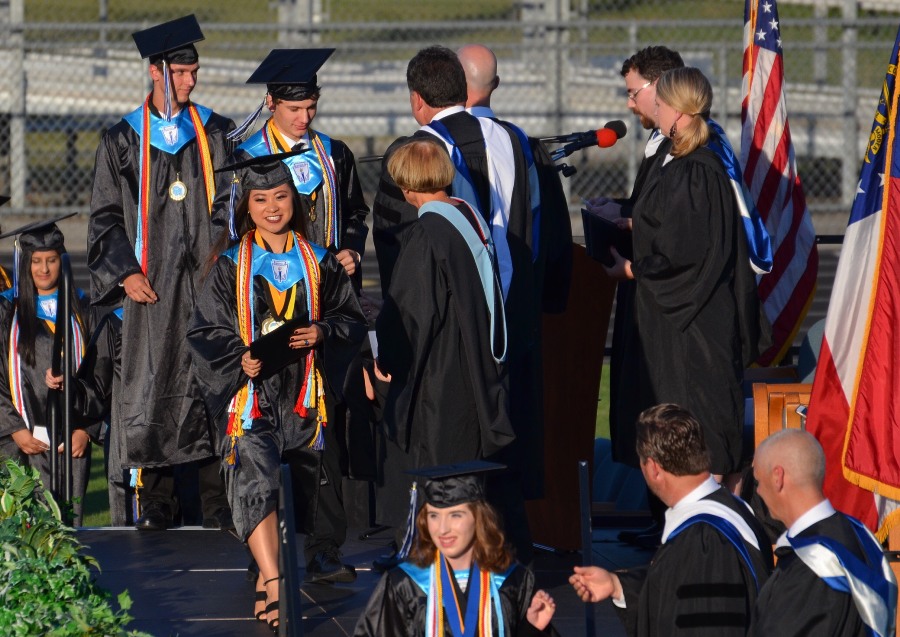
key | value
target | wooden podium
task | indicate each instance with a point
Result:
(573, 344)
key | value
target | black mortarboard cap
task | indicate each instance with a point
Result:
(453, 484)
(172, 41)
(40, 235)
(264, 172)
(290, 74)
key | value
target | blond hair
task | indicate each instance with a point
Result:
(687, 90)
(421, 165)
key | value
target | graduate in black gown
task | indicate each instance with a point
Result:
(269, 275)
(832, 577)
(150, 231)
(27, 327)
(335, 213)
(715, 555)
(459, 573)
(441, 334)
(690, 266)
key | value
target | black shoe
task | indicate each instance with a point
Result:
(327, 568)
(386, 562)
(154, 518)
(631, 537)
(220, 520)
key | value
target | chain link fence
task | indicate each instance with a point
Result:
(69, 70)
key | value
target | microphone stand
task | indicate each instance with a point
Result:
(63, 352)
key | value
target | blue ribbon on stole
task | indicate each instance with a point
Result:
(728, 530)
(463, 186)
(451, 604)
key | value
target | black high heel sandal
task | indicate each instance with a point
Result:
(273, 623)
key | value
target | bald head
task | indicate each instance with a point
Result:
(480, 66)
(798, 452)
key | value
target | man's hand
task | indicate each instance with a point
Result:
(27, 443)
(594, 584)
(621, 269)
(138, 289)
(350, 260)
(541, 610)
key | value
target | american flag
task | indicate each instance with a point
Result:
(854, 410)
(770, 173)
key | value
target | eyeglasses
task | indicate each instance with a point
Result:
(632, 95)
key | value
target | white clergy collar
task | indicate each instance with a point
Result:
(815, 515)
(701, 491)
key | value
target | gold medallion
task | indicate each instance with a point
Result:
(177, 191)
(269, 324)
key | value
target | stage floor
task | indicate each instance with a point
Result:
(189, 581)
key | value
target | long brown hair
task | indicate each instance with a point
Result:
(491, 551)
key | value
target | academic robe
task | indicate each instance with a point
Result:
(796, 602)
(156, 403)
(88, 407)
(697, 583)
(624, 361)
(253, 484)
(399, 604)
(448, 397)
(689, 267)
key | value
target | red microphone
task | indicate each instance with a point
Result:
(603, 137)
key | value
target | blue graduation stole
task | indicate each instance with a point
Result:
(463, 186)
(283, 270)
(306, 169)
(483, 255)
(758, 241)
(169, 137)
(870, 583)
(534, 188)
(728, 531)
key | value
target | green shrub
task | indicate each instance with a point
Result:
(46, 586)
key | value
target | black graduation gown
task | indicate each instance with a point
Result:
(624, 361)
(447, 400)
(217, 349)
(697, 583)
(398, 606)
(156, 402)
(88, 407)
(686, 263)
(795, 602)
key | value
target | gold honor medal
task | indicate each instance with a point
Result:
(177, 191)
(270, 323)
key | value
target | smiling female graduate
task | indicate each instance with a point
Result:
(460, 577)
(266, 414)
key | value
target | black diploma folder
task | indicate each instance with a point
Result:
(600, 234)
(274, 349)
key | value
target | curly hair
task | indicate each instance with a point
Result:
(651, 62)
(491, 551)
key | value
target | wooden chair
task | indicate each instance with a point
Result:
(775, 407)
